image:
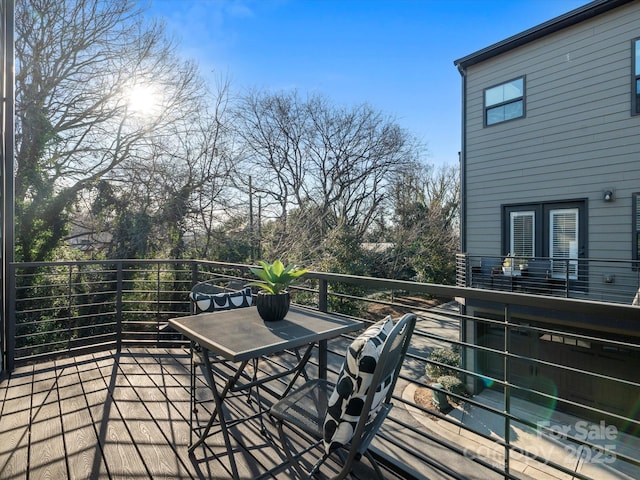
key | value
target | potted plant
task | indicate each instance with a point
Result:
(273, 298)
(507, 265)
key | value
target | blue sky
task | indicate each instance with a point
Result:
(395, 55)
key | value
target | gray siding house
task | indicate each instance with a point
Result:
(550, 168)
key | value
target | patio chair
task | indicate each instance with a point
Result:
(211, 296)
(482, 276)
(345, 417)
(538, 277)
(216, 294)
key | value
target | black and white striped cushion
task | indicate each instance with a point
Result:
(211, 302)
(347, 400)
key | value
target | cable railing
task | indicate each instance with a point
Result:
(603, 280)
(507, 369)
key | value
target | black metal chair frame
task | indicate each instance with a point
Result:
(305, 409)
(234, 383)
(214, 286)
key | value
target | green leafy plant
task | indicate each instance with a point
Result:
(452, 384)
(442, 357)
(275, 277)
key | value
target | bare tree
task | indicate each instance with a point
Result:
(83, 67)
(170, 203)
(273, 133)
(332, 166)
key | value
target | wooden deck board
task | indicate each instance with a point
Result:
(143, 427)
(83, 455)
(122, 416)
(14, 425)
(47, 457)
(121, 457)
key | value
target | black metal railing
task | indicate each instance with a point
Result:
(505, 357)
(609, 280)
(69, 307)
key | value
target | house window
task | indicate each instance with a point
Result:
(504, 102)
(523, 230)
(566, 340)
(636, 226)
(563, 242)
(554, 230)
(635, 89)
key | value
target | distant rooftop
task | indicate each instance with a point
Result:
(378, 247)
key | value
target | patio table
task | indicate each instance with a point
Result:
(240, 335)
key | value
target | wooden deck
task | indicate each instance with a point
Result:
(122, 416)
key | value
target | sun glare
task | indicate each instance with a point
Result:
(144, 100)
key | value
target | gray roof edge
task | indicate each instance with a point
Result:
(568, 19)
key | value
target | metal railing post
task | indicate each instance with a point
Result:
(158, 292)
(158, 303)
(119, 286)
(7, 225)
(323, 289)
(322, 345)
(194, 273)
(69, 306)
(507, 388)
(467, 271)
(10, 320)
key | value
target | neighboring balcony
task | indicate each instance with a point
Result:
(616, 281)
(99, 386)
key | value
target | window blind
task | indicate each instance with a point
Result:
(522, 234)
(564, 241)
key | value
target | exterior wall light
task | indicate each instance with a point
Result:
(607, 195)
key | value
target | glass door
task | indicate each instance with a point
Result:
(563, 242)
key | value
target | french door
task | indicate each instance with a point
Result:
(564, 238)
(553, 230)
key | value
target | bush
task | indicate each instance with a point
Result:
(452, 384)
(445, 357)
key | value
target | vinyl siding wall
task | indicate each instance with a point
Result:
(577, 139)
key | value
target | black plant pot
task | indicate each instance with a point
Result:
(273, 307)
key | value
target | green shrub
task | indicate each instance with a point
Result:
(446, 357)
(452, 384)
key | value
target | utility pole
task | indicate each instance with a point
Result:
(251, 236)
(260, 227)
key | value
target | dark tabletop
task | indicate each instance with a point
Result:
(241, 334)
